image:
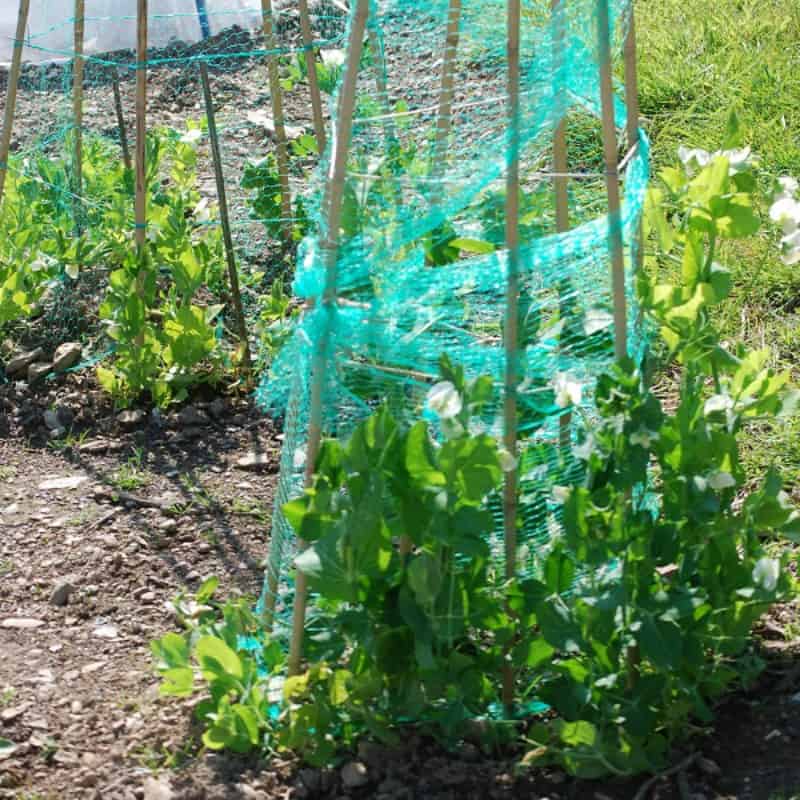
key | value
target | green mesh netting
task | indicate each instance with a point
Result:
(402, 298)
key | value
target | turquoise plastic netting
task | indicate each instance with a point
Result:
(405, 294)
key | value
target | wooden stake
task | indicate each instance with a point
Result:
(332, 211)
(123, 136)
(313, 83)
(140, 197)
(632, 121)
(77, 95)
(511, 331)
(444, 115)
(276, 98)
(560, 167)
(11, 92)
(233, 275)
(615, 242)
(376, 46)
(560, 162)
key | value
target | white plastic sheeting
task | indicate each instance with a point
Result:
(111, 24)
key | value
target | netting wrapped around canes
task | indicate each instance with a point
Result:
(422, 266)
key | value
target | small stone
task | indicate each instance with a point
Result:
(22, 361)
(10, 714)
(192, 416)
(69, 482)
(255, 461)
(38, 370)
(354, 775)
(148, 597)
(216, 409)
(131, 417)
(22, 623)
(66, 356)
(61, 593)
(105, 632)
(157, 789)
(709, 766)
(51, 420)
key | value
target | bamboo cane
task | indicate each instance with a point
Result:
(510, 493)
(560, 167)
(140, 198)
(11, 92)
(615, 241)
(233, 275)
(311, 68)
(141, 122)
(332, 210)
(444, 115)
(632, 107)
(376, 45)
(123, 136)
(276, 98)
(77, 94)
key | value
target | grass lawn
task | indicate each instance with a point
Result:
(699, 60)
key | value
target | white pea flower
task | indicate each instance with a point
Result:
(697, 158)
(202, 212)
(718, 402)
(738, 160)
(452, 428)
(72, 271)
(567, 390)
(42, 262)
(790, 248)
(644, 437)
(694, 157)
(444, 400)
(789, 186)
(508, 463)
(721, 480)
(299, 458)
(766, 573)
(584, 450)
(152, 233)
(786, 212)
(561, 494)
(192, 137)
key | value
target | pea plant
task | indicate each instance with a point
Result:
(157, 308)
(639, 611)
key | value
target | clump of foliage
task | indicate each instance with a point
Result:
(39, 242)
(164, 335)
(641, 611)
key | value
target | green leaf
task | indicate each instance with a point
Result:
(207, 589)
(473, 246)
(216, 659)
(533, 653)
(172, 650)
(177, 682)
(578, 733)
(425, 577)
(557, 625)
(559, 572)
(7, 748)
(419, 457)
(661, 642)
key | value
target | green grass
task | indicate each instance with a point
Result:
(698, 61)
